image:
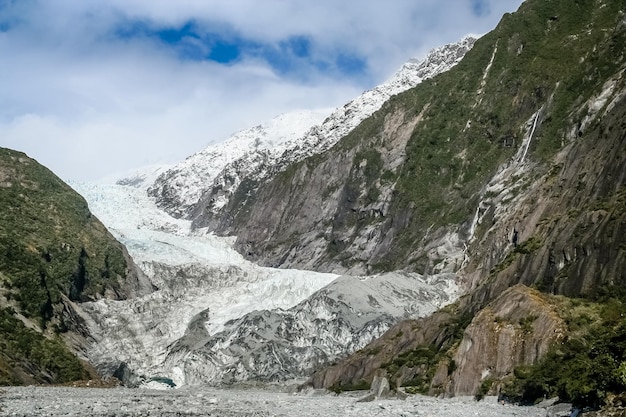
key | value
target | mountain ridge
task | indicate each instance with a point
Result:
(175, 191)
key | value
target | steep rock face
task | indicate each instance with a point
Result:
(305, 217)
(437, 356)
(571, 224)
(517, 328)
(373, 359)
(53, 255)
(549, 213)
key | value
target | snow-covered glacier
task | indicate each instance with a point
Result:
(190, 273)
(182, 185)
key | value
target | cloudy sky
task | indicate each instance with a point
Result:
(91, 88)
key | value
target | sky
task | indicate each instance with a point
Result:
(93, 88)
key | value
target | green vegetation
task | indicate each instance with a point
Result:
(588, 366)
(484, 388)
(548, 61)
(361, 385)
(529, 246)
(51, 247)
(526, 323)
(551, 56)
(423, 360)
(50, 244)
(525, 248)
(49, 360)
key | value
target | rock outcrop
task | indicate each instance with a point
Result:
(517, 328)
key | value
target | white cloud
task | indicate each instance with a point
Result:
(86, 102)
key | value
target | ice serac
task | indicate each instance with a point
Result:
(188, 273)
(275, 346)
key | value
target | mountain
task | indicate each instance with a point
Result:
(204, 186)
(54, 255)
(503, 175)
(507, 170)
(408, 187)
(463, 236)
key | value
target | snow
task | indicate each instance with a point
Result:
(191, 177)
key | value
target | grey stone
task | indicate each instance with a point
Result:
(380, 387)
(559, 410)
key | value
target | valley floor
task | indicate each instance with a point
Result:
(205, 401)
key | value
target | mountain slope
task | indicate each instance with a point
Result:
(526, 170)
(221, 172)
(402, 189)
(53, 254)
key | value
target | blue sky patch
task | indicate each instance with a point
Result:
(480, 7)
(351, 64)
(292, 57)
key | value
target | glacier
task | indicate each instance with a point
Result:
(214, 317)
(189, 272)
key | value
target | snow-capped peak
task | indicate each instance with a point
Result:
(266, 149)
(184, 183)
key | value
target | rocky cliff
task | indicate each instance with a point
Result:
(443, 354)
(53, 255)
(508, 169)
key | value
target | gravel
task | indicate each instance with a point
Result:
(205, 401)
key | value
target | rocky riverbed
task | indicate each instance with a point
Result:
(204, 401)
